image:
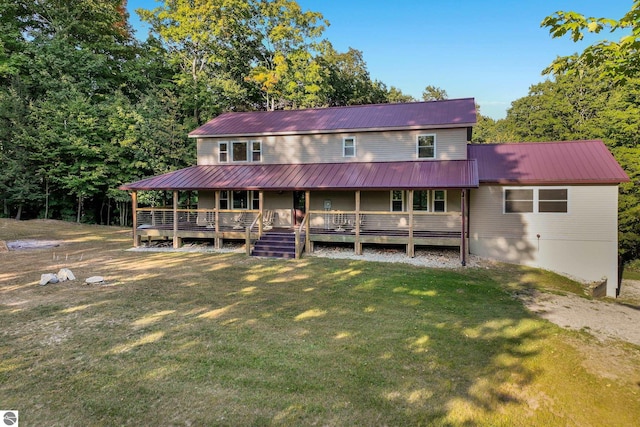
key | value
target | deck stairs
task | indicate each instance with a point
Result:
(276, 244)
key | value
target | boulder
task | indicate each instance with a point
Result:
(48, 278)
(94, 279)
(65, 274)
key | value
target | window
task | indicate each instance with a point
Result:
(426, 146)
(552, 200)
(536, 200)
(439, 201)
(256, 151)
(349, 147)
(224, 200)
(239, 151)
(397, 201)
(240, 199)
(223, 152)
(421, 200)
(255, 200)
(518, 200)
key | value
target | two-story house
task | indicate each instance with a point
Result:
(392, 174)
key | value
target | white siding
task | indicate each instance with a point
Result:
(451, 144)
(582, 243)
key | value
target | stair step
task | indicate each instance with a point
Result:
(272, 247)
(274, 254)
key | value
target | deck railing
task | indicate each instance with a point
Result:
(196, 219)
(397, 223)
(299, 232)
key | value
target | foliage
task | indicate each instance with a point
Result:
(617, 60)
(434, 93)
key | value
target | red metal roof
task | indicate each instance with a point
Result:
(447, 113)
(568, 162)
(316, 176)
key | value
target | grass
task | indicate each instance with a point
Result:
(222, 339)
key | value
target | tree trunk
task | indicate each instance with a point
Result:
(46, 198)
(19, 213)
(79, 209)
(108, 211)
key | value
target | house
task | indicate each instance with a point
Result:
(392, 174)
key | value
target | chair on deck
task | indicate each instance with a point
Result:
(268, 218)
(206, 219)
(340, 220)
(239, 220)
(361, 221)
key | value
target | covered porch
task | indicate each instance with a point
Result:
(358, 215)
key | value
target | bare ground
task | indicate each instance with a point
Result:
(601, 318)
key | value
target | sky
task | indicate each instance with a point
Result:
(491, 50)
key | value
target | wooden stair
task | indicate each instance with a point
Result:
(276, 244)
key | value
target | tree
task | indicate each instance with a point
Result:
(434, 93)
(395, 95)
(619, 60)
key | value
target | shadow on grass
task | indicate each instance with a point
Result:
(226, 340)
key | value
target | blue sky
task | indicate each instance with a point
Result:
(492, 51)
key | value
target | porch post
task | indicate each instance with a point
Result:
(358, 245)
(261, 203)
(410, 247)
(216, 240)
(176, 239)
(307, 205)
(134, 205)
(463, 239)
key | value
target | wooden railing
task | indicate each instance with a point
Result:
(249, 243)
(381, 222)
(189, 219)
(298, 233)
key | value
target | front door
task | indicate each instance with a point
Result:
(298, 206)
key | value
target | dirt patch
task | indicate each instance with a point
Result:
(19, 245)
(603, 319)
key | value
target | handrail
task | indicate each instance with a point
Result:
(332, 212)
(248, 231)
(298, 233)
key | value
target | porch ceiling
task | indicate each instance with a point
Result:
(318, 176)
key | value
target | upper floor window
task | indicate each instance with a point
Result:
(223, 152)
(239, 150)
(349, 147)
(426, 147)
(536, 200)
(256, 151)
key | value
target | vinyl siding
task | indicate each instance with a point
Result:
(582, 243)
(451, 144)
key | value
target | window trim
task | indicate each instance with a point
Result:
(225, 152)
(259, 151)
(418, 146)
(344, 146)
(246, 151)
(536, 199)
(433, 201)
(402, 200)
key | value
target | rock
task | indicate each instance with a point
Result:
(48, 278)
(65, 274)
(94, 279)
(3, 246)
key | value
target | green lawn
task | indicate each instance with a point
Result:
(222, 339)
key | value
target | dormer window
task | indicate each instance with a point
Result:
(426, 146)
(349, 147)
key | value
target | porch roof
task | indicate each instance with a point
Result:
(318, 176)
